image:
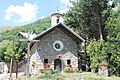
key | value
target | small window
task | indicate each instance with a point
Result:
(58, 19)
(68, 61)
(45, 60)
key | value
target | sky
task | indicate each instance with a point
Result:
(21, 12)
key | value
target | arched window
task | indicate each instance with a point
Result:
(58, 19)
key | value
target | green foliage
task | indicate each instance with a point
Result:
(11, 51)
(51, 75)
(113, 41)
(99, 50)
(47, 74)
(38, 26)
(14, 49)
(94, 51)
(2, 50)
(53, 71)
(87, 17)
(113, 27)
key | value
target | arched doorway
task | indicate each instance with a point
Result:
(83, 68)
(57, 64)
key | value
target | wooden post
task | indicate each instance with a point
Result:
(16, 68)
(28, 60)
(11, 69)
(85, 56)
(81, 63)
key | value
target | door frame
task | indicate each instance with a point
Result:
(60, 64)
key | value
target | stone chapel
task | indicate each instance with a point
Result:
(57, 48)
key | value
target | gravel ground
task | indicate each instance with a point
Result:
(7, 76)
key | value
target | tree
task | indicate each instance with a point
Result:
(87, 17)
(96, 48)
(113, 40)
(11, 51)
(2, 50)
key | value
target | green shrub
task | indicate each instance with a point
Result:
(47, 74)
(19, 79)
(53, 71)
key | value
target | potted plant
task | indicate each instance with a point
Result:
(68, 70)
(103, 64)
(41, 70)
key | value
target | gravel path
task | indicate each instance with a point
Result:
(7, 76)
(3, 76)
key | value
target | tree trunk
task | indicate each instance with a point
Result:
(16, 68)
(11, 69)
(99, 25)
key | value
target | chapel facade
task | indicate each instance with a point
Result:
(57, 48)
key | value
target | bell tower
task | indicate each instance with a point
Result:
(56, 18)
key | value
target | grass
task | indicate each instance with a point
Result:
(89, 76)
(71, 76)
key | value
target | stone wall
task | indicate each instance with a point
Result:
(1, 67)
(45, 49)
(5, 66)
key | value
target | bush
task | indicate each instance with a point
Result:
(103, 64)
(53, 71)
(51, 75)
(47, 74)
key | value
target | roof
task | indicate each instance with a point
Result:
(57, 14)
(31, 35)
(65, 29)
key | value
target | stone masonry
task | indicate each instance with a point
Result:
(44, 50)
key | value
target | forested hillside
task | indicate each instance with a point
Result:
(38, 26)
(10, 47)
(4, 28)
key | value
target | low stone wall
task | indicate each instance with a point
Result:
(22, 66)
(5, 66)
(1, 67)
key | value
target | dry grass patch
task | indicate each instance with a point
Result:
(71, 76)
